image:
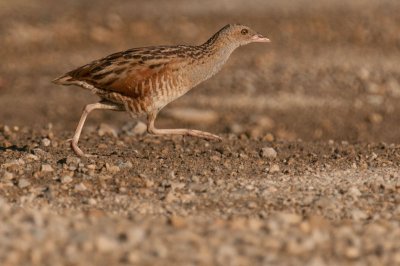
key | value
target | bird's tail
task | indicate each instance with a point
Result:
(63, 80)
(67, 80)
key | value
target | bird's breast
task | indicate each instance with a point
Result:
(204, 69)
(167, 87)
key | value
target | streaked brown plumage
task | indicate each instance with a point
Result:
(144, 80)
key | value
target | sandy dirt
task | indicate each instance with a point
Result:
(307, 172)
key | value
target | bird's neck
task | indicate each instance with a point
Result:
(216, 52)
(213, 55)
(220, 44)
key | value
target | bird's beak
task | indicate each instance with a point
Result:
(259, 38)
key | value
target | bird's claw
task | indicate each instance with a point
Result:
(214, 137)
(79, 152)
(209, 136)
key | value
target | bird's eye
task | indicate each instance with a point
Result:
(244, 31)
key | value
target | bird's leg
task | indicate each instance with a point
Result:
(88, 108)
(151, 117)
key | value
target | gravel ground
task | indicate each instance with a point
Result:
(307, 172)
(148, 201)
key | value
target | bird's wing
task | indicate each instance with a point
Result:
(123, 72)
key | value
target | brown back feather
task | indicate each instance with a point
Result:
(122, 72)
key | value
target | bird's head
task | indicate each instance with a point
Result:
(240, 34)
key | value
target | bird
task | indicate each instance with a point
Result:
(141, 81)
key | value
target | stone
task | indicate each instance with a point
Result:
(177, 221)
(106, 244)
(80, 187)
(171, 197)
(23, 183)
(46, 168)
(13, 164)
(46, 142)
(91, 166)
(358, 215)
(72, 160)
(66, 179)
(274, 168)
(136, 235)
(41, 153)
(265, 122)
(236, 128)
(134, 128)
(112, 168)
(268, 137)
(8, 176)
(290, 218)
(105, 129)
(215, 158)
(139, 129)
(92, 201)
(268, 152)
(352, 252)
(354, 192)
(31, 157)
(125, 165)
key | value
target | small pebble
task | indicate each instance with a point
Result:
(290, 218)
(125, 165)
(66, 179)
(268, 152)
(139, 129)
(112, 168)
(215, 158)
(106, 244)
(73, 160)
(92, 201)
(40, 153)
(178, 221)
(375, 118)
(236, 128)
(8, 175)
(268, 137)
(6, 129)
(31, 157)
(106, 129)
(274, 168)
(46, 142)
(80, 187)
(354, 191)
(46, 168)
(358, 215)
(134, 128)
(352, 252)
(102, 146)
(91, 166)
(13, 164)
(23, 183)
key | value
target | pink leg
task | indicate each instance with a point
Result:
(88, 108)
(178, 131)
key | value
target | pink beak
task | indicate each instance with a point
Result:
(259, 38)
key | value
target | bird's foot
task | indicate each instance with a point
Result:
(79, 152)
(204, 135)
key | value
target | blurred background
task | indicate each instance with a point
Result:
(331, 71)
